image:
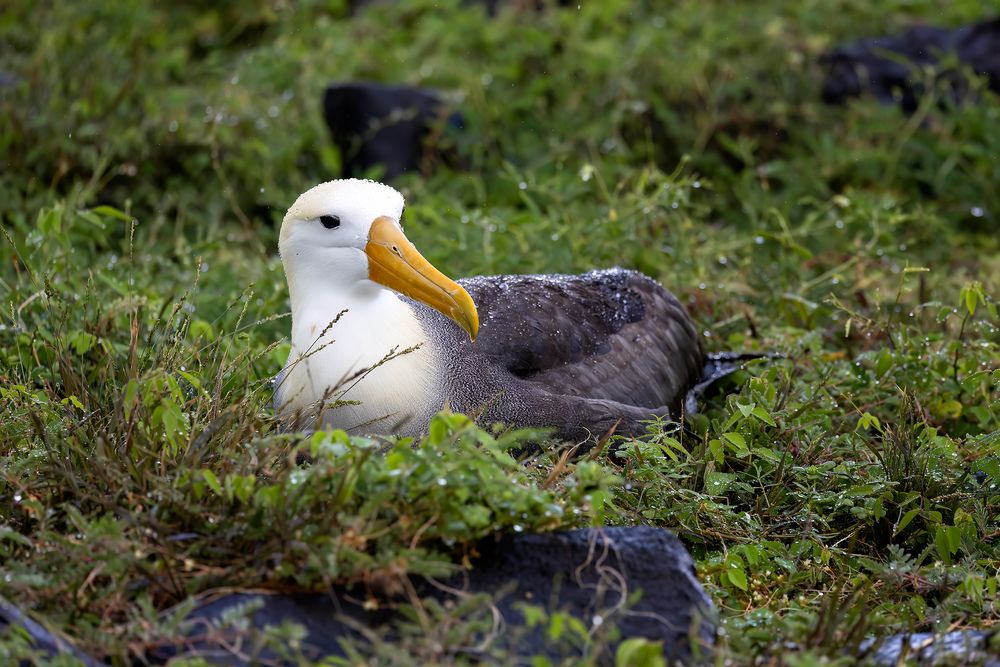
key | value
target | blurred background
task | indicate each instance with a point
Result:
(135, 101)
(697, 117)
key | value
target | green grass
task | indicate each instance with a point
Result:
(847, 489)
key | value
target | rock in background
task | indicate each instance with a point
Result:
(891, 68)
(962, 647)
(398, 127)
(40, 644)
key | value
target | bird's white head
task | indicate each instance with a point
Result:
(346, 236)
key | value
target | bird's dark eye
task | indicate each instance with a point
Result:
(330, 221)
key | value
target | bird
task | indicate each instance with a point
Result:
(381, 340)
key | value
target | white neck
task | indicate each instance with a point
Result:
(360, 357)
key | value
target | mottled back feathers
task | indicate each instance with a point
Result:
(572, 350)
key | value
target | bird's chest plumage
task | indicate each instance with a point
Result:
(372, 370)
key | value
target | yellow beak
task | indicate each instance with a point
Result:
(394, 262)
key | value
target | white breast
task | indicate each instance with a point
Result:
(359, 369)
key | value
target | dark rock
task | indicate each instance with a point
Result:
(962, 647)
(398, 127)
(890, 68)
(590, 574)
(718, 367)
(492, 7)
(41, 642)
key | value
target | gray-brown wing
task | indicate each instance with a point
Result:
(615, 335)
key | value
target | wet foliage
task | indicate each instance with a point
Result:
(847, 488)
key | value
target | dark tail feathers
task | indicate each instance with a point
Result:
(717, 366)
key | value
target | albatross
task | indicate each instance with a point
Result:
(381, 340)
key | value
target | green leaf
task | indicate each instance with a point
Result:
(970, 301)
(972, 293)
(737, 577)
(946, 408)
(640, 652)
(905, 521)
(477, 516)
(954, 534)
(129, 401)
(50, 221)
(190, 377)
(111, 212)
(672, 448)
(884, 363)
(751, 553)
(555, 629)
(11, 535)
(943, 545)
(715, 448)
(716, 483)
(94, 221)
(438, 430)
(74, 400)
(212, 481)
(201, 329)
(860, 490)
(767, 453)
(239, 487)
(868, 420)
(737, 440)
(81, 341)
(533, 615)
(763, 415)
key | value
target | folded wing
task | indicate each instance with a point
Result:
(614, 335)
